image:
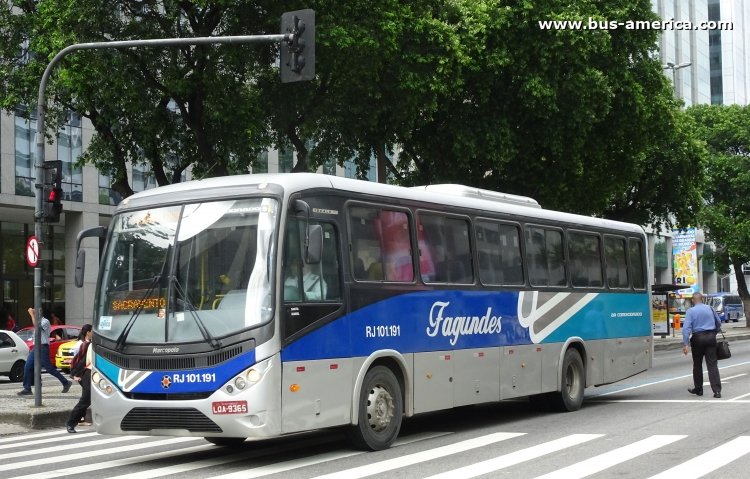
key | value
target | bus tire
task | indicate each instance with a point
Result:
(381, 409)
(225, 441)
(572, 382)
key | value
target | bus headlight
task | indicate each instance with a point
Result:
(102, 383)
(248, 378)
(253, 375)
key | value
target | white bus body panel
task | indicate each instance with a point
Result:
(263, 419)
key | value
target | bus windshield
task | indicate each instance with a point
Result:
(188, 273)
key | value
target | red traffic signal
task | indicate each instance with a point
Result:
(54, 207)
(55, 195)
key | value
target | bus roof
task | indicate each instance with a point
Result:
(448, 195)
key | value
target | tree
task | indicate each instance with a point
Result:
(581, 120)
(726, 216)
(169, 108)
(469, 91)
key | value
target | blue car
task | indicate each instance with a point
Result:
(727, 305)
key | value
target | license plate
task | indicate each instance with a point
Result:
(733, 315)
(66, 361)
(229, 407)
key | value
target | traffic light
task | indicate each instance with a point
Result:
(53, 191)
(298, 54)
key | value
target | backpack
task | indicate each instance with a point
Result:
(78, 363)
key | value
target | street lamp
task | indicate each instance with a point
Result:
(674, 68)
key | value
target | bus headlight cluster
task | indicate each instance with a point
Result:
(102, 383)
(248, 378)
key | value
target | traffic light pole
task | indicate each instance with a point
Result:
(40, 130)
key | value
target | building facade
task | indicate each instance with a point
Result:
(718, 73)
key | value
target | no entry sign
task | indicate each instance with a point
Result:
(32, 251)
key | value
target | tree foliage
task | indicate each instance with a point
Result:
(581, 120)
(726, 216)
(467, 91)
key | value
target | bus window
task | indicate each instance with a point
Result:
(617, 262)
(545, 256)
(446, 241)
(381, 245)
(636, 263)
(498, 253)
(584, 252)
(310, 282)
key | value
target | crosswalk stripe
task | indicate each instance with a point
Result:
(46, 440)
(55, 457)
(79, 445)
(185, 452)
(411, 459)
(72, 470)
(709, 461)
(287, 465)
(513, 458)
(317, 459)
(26, 438)
(612, 458)
(191, 466)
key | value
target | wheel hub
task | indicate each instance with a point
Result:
(380, 408)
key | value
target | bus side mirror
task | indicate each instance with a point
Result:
(314, 251)
(96, 231)
(80, 267)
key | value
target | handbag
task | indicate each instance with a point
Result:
(722, 348)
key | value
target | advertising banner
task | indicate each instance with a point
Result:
(659, 314)
(685, 259)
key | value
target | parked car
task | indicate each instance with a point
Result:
(59, 334)
(727, 305)
(65, 355)
(13, 354)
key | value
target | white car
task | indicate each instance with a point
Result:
(13, 354)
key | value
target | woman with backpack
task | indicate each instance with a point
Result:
(80, 370)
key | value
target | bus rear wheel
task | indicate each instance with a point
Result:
(225, 441)
(381, 409)
(572, 384)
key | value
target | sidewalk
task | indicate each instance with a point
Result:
(732, 331)
(18, 413)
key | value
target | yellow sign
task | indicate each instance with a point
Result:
(659, 316)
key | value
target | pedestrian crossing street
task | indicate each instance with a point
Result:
(432, 455)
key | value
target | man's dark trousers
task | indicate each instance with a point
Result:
(703, 344)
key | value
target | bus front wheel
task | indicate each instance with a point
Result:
(573, 382)
(381, 409)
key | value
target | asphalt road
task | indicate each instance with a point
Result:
(638, 428)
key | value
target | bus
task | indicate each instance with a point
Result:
(727, 305)
(256, 306)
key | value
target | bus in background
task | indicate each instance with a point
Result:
(727, 305)
(261, 305)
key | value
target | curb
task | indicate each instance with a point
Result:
(39, 419)
(678, 344)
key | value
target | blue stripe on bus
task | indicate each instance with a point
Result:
(446, 320)
(200, 380)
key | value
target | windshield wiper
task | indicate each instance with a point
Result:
(129, 325)
(215, 343)
(131, 321)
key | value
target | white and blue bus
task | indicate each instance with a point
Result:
(260, 305)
